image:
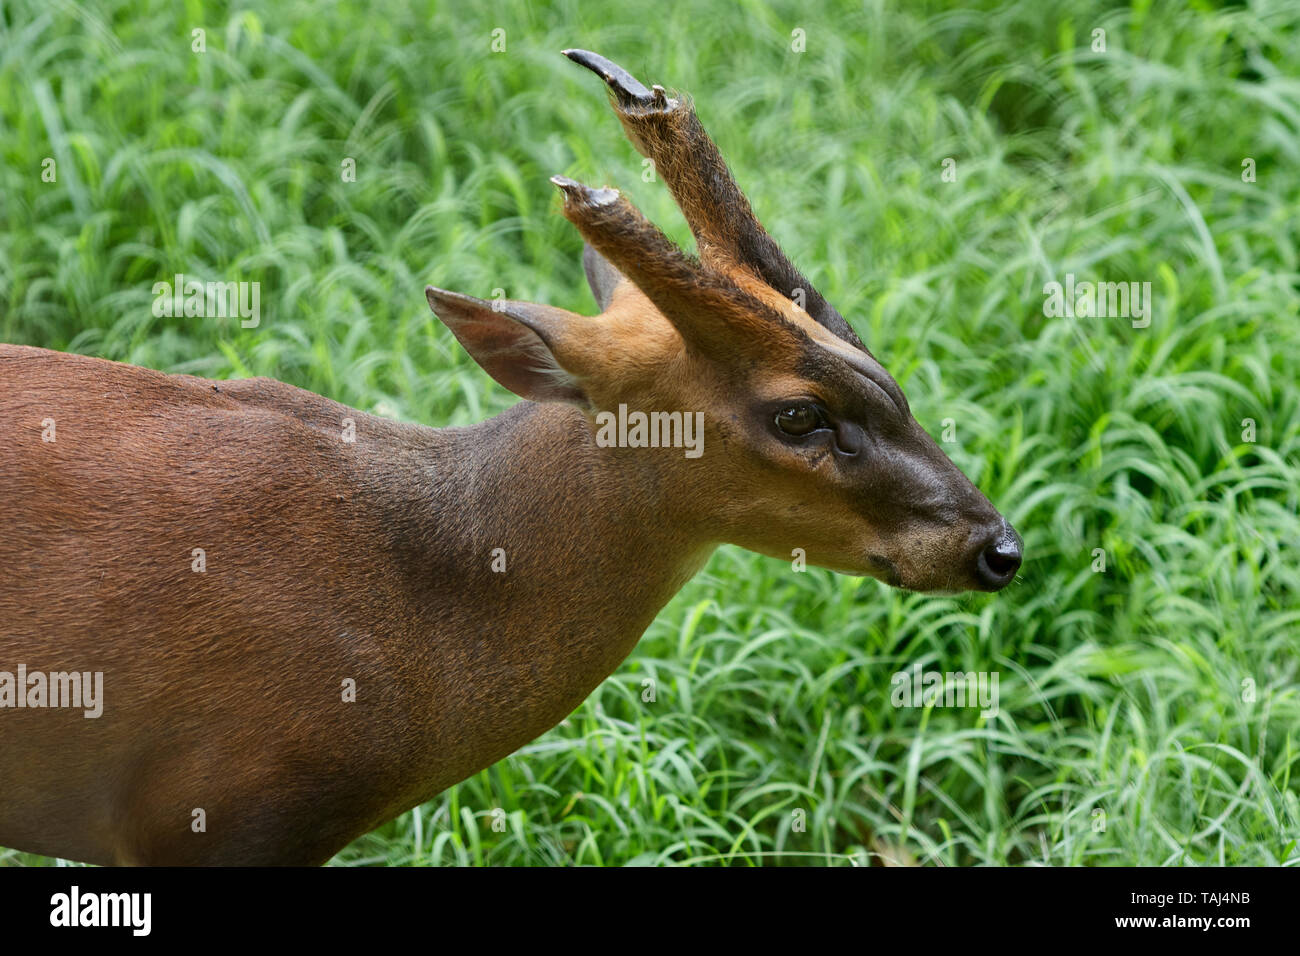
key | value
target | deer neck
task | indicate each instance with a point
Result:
(605, 532)
(545, 560)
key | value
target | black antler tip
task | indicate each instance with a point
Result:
(626, 87)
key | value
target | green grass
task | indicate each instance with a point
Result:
(1122, 691)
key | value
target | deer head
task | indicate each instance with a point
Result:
(809, 442)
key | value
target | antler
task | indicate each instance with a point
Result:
(666, 130)
(690, 294)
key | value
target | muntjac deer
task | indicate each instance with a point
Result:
(305, 626)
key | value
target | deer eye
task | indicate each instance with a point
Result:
(802, 419)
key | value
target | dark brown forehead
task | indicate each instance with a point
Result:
(857, 382)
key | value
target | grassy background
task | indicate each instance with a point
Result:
(1122, 691)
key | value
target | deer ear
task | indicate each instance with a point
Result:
(514, 342)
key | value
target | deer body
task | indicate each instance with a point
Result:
(325, 560)
(306, 627)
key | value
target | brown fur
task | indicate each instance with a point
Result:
(325, 560)
(723, 223)
(372, 560)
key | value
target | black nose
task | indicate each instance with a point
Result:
(999, 560)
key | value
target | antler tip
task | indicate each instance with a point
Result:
(574, 190)
(626, 87)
